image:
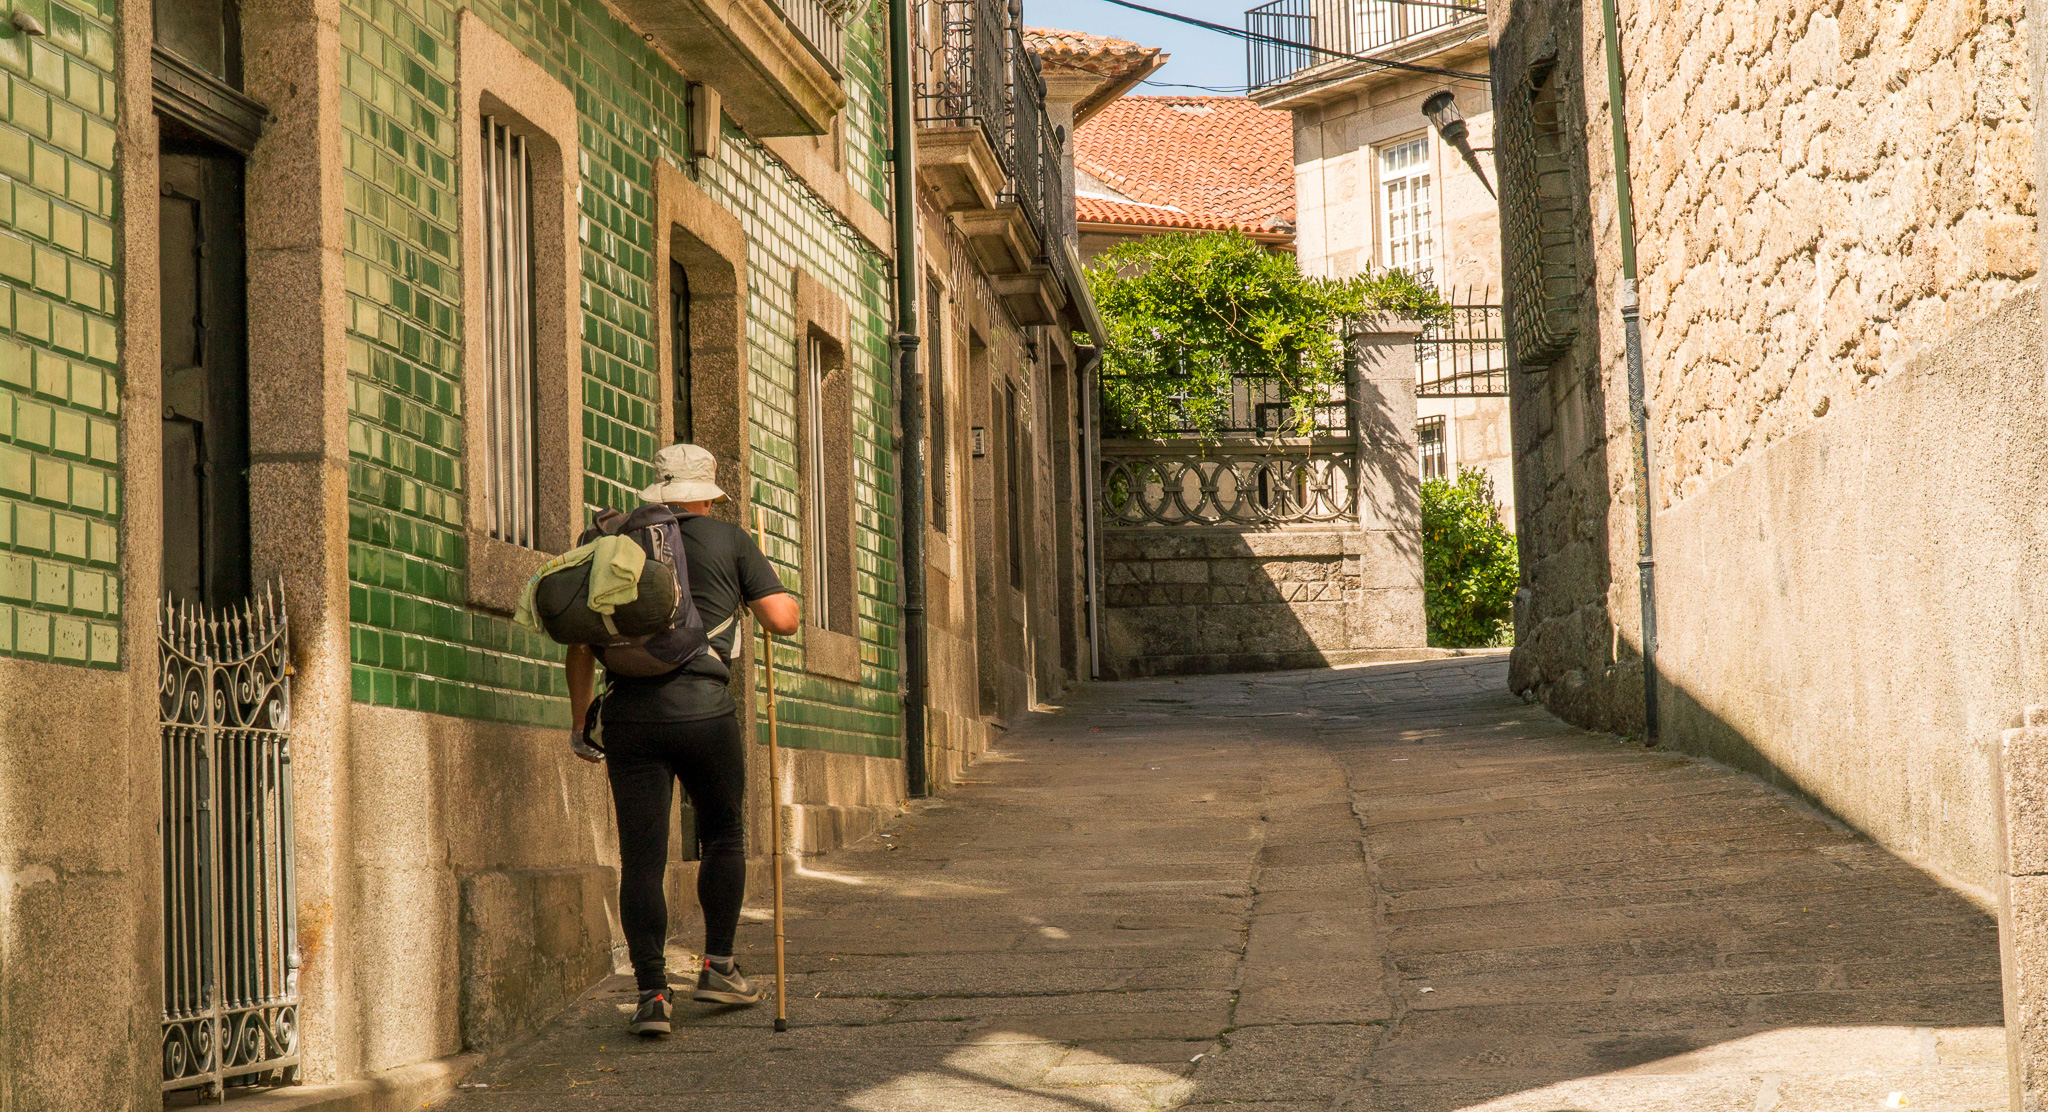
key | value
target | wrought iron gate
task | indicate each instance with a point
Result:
(231, 957)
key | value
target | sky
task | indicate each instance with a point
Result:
(1204, 58)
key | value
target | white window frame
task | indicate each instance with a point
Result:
(1407, 205)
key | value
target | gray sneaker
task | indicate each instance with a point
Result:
(652, 1017)
(714, 987)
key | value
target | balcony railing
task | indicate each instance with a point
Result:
(821, 26)
(962, 70)
(1169, 483)
(1344, 26)
(1031, 162)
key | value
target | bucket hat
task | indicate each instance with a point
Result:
(684, 473)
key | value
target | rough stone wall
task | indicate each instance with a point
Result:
(1836, 229)
(1200, 601)
(1825, 188)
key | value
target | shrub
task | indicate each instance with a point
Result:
(1186, 312)
(1469, 572)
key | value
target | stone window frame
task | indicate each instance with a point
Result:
(831, 641)
(694, 230)
(494, 78)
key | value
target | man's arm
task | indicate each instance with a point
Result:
(777, 614)
(582, 668)
(581, 664)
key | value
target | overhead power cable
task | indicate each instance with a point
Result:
(1254, 36)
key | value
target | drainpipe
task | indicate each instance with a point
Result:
(1632, 339)
(910, 395)
(1091, 468)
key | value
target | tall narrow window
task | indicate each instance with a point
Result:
(1013, 466)
(814, 497)
(508, 406)
(1429, 444)
(679, 312)
(938, 460)
(1404, 187)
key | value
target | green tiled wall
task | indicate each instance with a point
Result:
(414, 644)
(60, 480)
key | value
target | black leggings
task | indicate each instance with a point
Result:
(644, 759)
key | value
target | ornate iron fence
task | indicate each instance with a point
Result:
(961, 70)
(1148, 482)
(1466, 356)
(231, 947)
(1346, 26)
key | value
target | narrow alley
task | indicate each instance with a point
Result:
(1381, 889)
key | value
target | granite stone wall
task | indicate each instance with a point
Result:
(1191, 602)
(1837, 241)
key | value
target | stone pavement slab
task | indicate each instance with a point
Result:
(1390, 888)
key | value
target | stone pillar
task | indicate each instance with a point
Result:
(298, 474)
(2020, 769)
(1383, 557)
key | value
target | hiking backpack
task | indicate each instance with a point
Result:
(656, 632)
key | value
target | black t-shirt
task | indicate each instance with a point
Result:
(727, 571)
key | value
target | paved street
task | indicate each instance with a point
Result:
(1382, 889)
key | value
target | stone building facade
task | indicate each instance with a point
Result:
(1377, 187)
(1835, 213)
(360, 308)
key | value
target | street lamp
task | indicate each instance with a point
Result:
(1442, 110)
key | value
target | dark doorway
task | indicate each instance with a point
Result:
(205, 374)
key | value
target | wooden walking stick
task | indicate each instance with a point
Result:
(774, 803)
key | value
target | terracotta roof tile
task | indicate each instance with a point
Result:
(1102, 210)
(1053, 44)
(1220, 161)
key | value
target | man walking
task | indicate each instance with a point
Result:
(683, 726)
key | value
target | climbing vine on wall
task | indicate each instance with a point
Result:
(1186, 312)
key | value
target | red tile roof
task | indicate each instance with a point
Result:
(1053, 44)
(1220, 161)
(1115, 65)
(1102, 210)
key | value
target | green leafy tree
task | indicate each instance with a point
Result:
(1469, 571)
(1186, 311)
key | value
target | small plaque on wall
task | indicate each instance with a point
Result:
(980, 442)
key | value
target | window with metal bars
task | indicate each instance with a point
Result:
(815, 496)
(1430, 446)
(508, 470)
(939, 459)
(679, 312)
(825, 431)
(1406, 216)
(1013, 486)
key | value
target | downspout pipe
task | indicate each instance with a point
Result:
(1091, 468)
(910, 400)
(1632, 341)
